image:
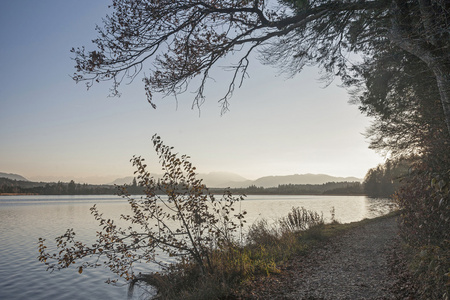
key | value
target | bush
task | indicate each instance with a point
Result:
(301, 219)
(424, 225)
(261, 233)
(187, 222)
(431, 268)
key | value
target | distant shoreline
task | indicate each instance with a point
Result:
(247, 194)
(19, 194)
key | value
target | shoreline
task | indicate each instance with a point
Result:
(357, 261)
(38, 194)
(23, 194)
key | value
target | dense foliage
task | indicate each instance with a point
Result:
(425, 203)
(400, 93)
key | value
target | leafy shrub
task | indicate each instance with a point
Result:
(424, 224)
(425, 206)
(177, 215)
(431, 268)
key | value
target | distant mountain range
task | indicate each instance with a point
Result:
(273, 181)
(13, 176)
(225, 179)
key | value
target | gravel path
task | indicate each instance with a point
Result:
(355, 265)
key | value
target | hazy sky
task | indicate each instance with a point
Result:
(53, 129)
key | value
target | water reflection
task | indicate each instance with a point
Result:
(379, 206)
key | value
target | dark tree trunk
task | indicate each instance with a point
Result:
(435, 57)
(443, 81)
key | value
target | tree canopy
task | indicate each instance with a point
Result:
(177, 41)
(401, 95)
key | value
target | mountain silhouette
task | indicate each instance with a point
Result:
(13, 176)
(232, 180)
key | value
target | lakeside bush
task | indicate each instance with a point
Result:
(200, 232)
(189, 224)
(424, 201)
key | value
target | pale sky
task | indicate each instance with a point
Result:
(53, 129)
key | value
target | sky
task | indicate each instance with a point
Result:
(53, 129)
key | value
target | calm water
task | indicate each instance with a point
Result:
(23, 219)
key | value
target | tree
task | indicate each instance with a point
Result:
(185, 39)
(71, 187)
(386, 179)
(371, 183)
(398, 91)
(188, 223)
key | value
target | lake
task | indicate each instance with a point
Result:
(23, 219)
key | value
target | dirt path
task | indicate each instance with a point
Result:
(354, 265)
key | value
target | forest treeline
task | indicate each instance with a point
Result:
(10, 186)
(379, 182)
(329, 188)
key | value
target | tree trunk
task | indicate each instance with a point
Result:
(438, 63)
(443, 81)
